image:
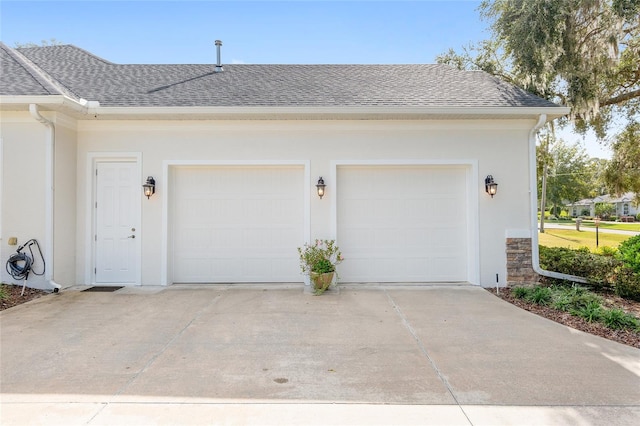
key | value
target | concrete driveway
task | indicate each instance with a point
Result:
(274, 355)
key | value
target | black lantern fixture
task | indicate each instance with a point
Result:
(149, 187)
(490, 186)
(320, 186)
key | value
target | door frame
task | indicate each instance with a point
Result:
(473, 230)
(93, 158)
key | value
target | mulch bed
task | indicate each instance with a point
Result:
(14, 298)
(610, 301)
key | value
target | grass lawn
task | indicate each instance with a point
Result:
(632, 226)
(622, 226)
(576, 239)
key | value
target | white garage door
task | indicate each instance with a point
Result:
(402, 223)
(237, 223)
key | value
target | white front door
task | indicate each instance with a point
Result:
(117, 222)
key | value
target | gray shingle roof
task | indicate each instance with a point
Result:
(17, 79)
(84, 75)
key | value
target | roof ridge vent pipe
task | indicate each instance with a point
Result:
(533, 191)
(218, 62)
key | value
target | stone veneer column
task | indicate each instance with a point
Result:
(519, 266)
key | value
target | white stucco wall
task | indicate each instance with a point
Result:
(65, 201)
(23, 193)
(23, 188)
(499, 147)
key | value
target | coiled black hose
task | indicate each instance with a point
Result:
(20, 264)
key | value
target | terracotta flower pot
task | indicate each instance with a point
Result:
(322, 281)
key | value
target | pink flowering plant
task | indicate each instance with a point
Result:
(320, 257)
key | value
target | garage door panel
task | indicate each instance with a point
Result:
(354, 209)
(237, 223)
(386, 238)
(441, 267)
(199, 238)
(417, 267)
(416, 208)
(415, 239)
(402, 223)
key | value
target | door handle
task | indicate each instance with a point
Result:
(131, 236)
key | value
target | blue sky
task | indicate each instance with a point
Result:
(305, 32)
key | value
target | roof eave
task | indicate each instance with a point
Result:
(55, 102)
(306, 112)
(90, 110)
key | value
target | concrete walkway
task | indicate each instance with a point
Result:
(272, 355)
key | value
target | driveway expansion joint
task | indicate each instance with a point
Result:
(169, 343)
(423, 349)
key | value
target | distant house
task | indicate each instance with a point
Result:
(232, 155)
(624, 205)
(584, 207)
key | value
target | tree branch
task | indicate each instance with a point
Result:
(621, 98)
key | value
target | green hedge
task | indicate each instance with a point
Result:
(601, 272)
(630, 253)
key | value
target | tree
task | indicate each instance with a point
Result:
(568, 176)
(605, 210)
(596, 168)
(623, 171)
(582, 53)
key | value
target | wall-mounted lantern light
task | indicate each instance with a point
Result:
(490, 186)
(320, 185)
(149, 187)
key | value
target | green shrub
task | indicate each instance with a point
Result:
(323, 266)
(607, 251)
(618, 319)
(603, 272)
(520, 292)
(578, 301)
(580, 262)
(3, 292)
(570, 298)
(627, 283)
(591, 312)
(580, 298)
(559, 259)
(562, 301)
(629, 253)
(540, 295)
(576, 290)
(605, 210)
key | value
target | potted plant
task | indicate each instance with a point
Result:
(319, 261)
